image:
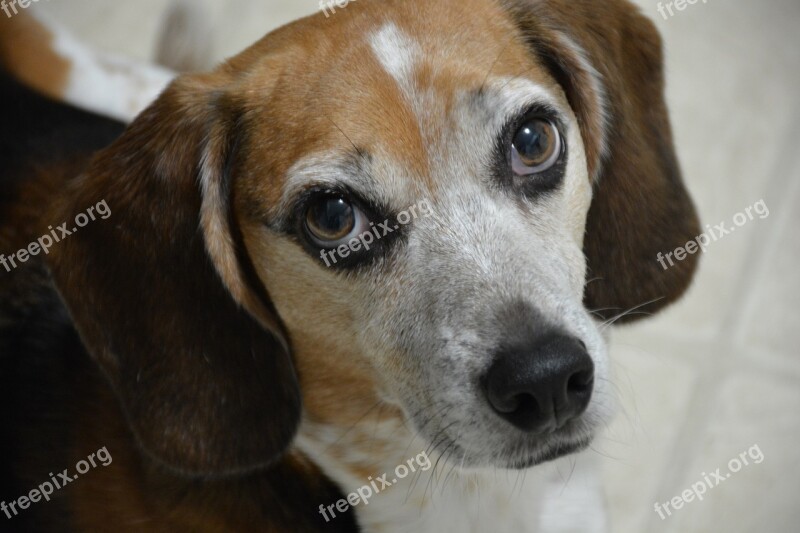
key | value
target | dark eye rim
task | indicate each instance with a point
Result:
(538, 183)
(373, 212)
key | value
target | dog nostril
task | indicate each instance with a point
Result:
(580, 382)
(524, 404)
(523, 410)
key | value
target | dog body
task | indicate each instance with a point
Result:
(241, 378)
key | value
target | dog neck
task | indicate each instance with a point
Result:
(394, 482)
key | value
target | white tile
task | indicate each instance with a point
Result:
(769, 326)
(240, 23)
(750, 410)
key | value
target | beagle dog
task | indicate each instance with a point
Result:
(240, 382)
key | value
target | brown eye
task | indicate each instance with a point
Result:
(332, 219)
(536, 147)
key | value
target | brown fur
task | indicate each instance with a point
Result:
(26, 51)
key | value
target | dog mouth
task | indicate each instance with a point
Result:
(519, 455)
(548, 447)
(551, 453)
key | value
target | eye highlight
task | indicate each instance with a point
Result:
(536, 147)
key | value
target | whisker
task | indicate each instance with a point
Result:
(356, 423)
(630, 311)
(496, 59)
(356, 148)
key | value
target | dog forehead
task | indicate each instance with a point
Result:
(386, 78)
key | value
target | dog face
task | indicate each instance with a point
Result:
(491, 265)
(409, 216)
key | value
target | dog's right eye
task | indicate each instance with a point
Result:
(332, 220)
(536, 147)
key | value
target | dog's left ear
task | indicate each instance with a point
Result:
(164, 295)
(607, 57)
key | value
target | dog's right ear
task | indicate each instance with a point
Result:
(608, 59)
(164, 295)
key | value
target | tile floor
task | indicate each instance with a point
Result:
(719, 372)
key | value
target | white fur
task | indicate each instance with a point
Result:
(560, 497)
(108, 85)
(396, 52)
(598, 92)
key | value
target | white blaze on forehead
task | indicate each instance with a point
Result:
(396, 52)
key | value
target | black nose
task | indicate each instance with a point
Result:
(542, 386)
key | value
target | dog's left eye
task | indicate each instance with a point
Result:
(331, 220)
(536, 147)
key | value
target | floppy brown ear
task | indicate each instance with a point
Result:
(607, 56)
(164, 295)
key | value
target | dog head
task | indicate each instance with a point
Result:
(422, 204)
